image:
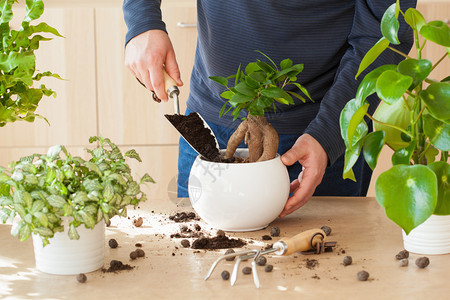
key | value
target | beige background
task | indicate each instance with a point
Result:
(100, 96)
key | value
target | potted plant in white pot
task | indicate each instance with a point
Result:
(18, 97)
(412, 119)
(64, 202)
(247, 196)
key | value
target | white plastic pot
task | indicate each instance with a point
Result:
(430, 237)
(63, 256)
(238, 196)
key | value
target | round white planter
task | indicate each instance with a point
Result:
(430, 237)
(239, 197)
(63, 256)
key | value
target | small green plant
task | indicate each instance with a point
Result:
(42, 189)
(412, 119)
(18, 98)
(256, 89)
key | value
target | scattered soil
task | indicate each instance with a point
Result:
(185, 243)
(275, 231)
(404, 262)
(113, 243)
(347, 260)
(422, 262)
(225, 275)
(138, 222)
(363, 275)
(138, 245)
(311, 263)
(81, 278)
(217, 242)
(326, 229)
(247, 270)
(133, 255)
(261, 261)
(183, 217)
(116, 266)
(186, 232)
(268, 268)
(140, 252)
(198, 136)
(229, 251)
(266, 237)
(268, 246)
(402, 254)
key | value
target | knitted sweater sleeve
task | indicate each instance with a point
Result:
(141, 16)
(364, 34)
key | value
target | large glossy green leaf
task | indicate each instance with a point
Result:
(345, 118)
(244, 89)
(396, 114)
(408, 194)
(437, 99)
(390, 24)
(373, 144)
(372, 54)
(438, 132)
(357, 118)
(391, 85)
(403, 156)
(418, 69)
(239, 98)
(437, 32)
(368, 85)
(442, 171)
(414, 18)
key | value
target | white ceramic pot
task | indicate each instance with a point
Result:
(238, 197)
(430, 237)
(63, 256)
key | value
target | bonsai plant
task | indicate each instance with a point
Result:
(256, 89)
(18, 98)
(43, 189)
(412, 119)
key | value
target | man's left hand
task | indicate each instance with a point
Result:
(313, 158)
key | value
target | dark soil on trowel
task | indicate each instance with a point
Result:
(198, 136)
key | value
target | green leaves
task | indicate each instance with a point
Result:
(438, 132)
(41, 189)
(442, 171)
(391, 86)
(259, 85)
(372, 55)
(437, 32)
(437, 99)
(408, 194)
(18, 63)
(390, 24)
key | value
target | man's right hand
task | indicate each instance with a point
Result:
(146, 55)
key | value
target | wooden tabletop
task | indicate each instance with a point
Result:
(170, 271)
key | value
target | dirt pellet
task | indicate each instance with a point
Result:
(138, 222)
(266, 237)
(402, 254)
(133, 255)
(81, 278)
(268, 268)
(229, 251)
(185, 243)
(326, 229)
(261, 261)
(404, 262)
(220, 232)
(347, 260)
(225, 275)
(363, 275)
(275, 231)
(247, 270)
(197, 227)
(138, 245)
(113, 243)
(140, 252)
(422, 262)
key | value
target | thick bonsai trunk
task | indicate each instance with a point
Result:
(259, 135)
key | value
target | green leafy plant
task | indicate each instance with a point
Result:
(18, 98)
(412, 119)
(42, 189)
(256, 89)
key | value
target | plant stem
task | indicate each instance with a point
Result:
(420, 114)
(439, 61)
(424, 151)
(399, 52)
(389, 125)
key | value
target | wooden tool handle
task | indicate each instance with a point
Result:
(304, 241)
(168, 81)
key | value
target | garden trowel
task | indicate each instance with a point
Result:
(209, 150)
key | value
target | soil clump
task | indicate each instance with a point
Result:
(217, 242)
(116, 266)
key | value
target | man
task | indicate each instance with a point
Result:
(328, 37)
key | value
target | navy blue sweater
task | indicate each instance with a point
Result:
(328, 37)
